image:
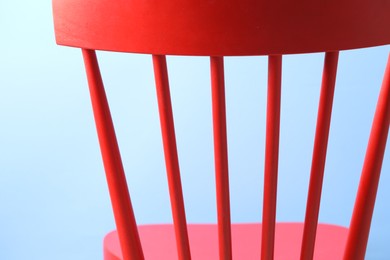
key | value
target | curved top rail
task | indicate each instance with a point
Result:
(222, 27)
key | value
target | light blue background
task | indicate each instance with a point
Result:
(53, 196)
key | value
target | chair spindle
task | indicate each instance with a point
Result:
(171, 157)
(116, 179)
(271, 156)
(364, 205)
(221, 157)
(319, 154)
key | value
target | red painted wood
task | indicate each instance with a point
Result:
(221, 157)
(221, 28)
(158, 242)
(319, 154)
(116, 180)
(365, 200)
(217, 29)
(171, 158)
(271, 156)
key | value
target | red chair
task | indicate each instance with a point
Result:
(231, 28)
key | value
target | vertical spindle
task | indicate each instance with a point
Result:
(116, 179)
(221, 157)
(271, 156)
(365, 200)
(171, 157)
(319, 154)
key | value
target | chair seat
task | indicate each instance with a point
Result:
(158, 241)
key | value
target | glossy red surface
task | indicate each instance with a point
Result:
(170, 153)
(116, 179)
(221, 27)
(158, 242)
(319, 153)
(271, 164)
(221, 156)
(369, 180)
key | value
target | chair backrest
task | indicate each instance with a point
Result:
(221, 28)
(231, 28)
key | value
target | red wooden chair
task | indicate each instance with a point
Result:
(231, 28)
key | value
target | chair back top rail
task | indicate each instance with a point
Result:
(222, 28)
